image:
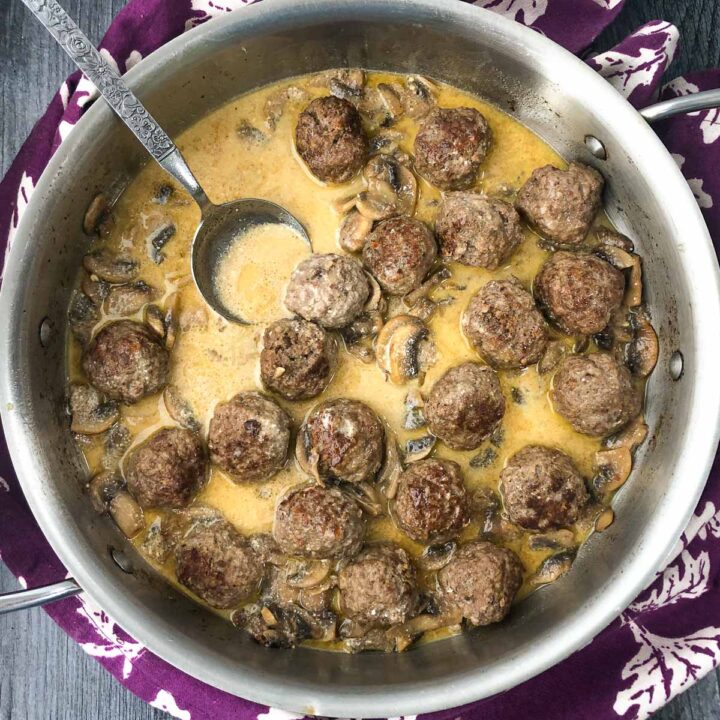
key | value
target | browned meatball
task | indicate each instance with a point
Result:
(579, 292)
(297, 359)
(504, 326)
(399, 252)
(249, 436)
(378, 589)
(465, 405)
(328, 289)
(595, 394)
(477, 230)
(561, 204)
(126, 361)
(346, 438)
(168, 469)
(480, 582)
(542, 489)
(318, 522)
(431, 502)
(330, 139)
(218, 564)
(450, 145)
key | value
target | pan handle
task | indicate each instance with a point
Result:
(705, 100)
(24, 599)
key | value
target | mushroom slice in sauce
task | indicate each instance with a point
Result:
(96, 214)
(91, 414)
(102, 488)
(127, 514)
(354, 228)
(613, 467)
(126, 300)
(643, 350)
(179, 409)
(553, 568)
(419, 448)
(397, 348)
(111, 268)
(83, 315)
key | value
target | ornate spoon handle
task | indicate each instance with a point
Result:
(127, 107)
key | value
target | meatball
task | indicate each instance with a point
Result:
(561, 204)
(504, 326)
(476, 230)
(328, 289)
(346, 437)
(126, 361)
(542, 489)
(297, 359)
(465, 405)
(431, 503)
(579, 292)
(318, 522)
(595, 394)
(330, 139)
(218, 564)
(399, 252)
(378, 589)
(249, 436)
(480, 582)
(168, 469)
(450, 145)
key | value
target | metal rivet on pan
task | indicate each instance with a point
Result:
(595, 147)
(121, 560)
(46, 331)
(676, 365)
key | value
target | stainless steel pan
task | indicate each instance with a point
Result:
(554, 94)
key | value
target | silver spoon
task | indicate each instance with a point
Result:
(220, 225)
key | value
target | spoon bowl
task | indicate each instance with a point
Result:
(221, 226)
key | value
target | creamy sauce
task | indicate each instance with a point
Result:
(252, 275)
(213, 360)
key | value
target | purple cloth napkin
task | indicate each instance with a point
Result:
(664, 642)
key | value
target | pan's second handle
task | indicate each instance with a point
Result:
(24, 599)
(706, 100)
(120, 98)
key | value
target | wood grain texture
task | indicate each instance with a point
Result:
(43, 675)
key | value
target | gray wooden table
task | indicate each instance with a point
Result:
(43, 675)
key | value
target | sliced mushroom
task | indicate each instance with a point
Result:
(277, 102)
(436, 557)
(422, 292)
(365, 495)
(581, 344)
(631, 436)
(624, 260)
(126, 300)
(96, 213)
(418, 98)
(397, 347)
(552, 540)
(346, 92)
(83, 315)
(391, 188)
(608, 236)
(643, 350)
(307, 573)
(486, 506)
(390, 95)
(419, 448)
(157, 240)
(127, 514)
(109, 267)
(102, 488)
(613, 469)
(163, 193)
(553, 568)
(91, 415)
(156, 544)
(413, 417)
(392, 467)
(172, 310)
(485, 458)
(179, 409)
(604, 520)
(554, 353)
(354, 228)
(116, 443)
(249, 133)
(96, 290)
(154, 318)
(386, 142)
(423, 309)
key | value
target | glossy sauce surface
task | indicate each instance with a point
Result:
(213, 360)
